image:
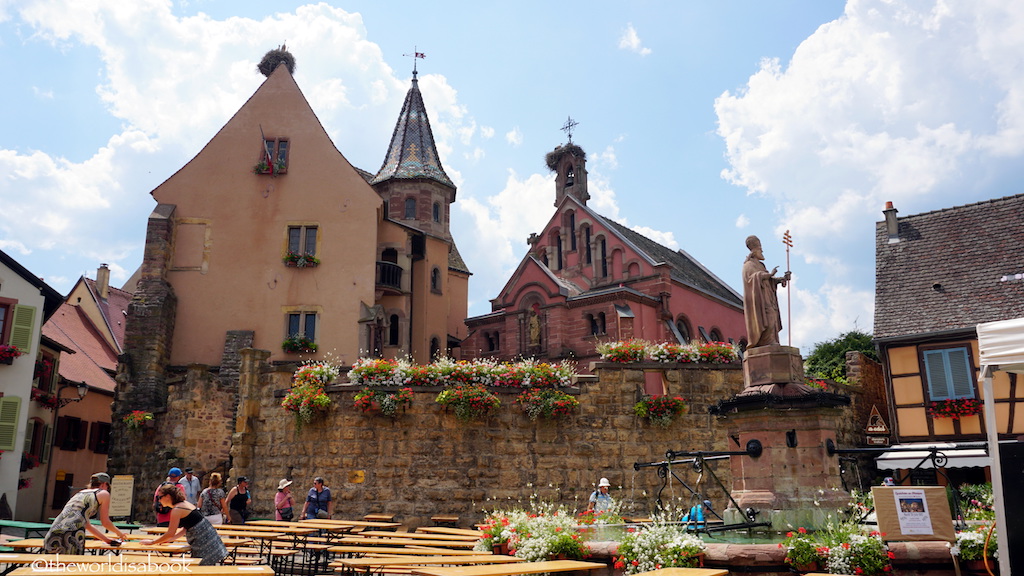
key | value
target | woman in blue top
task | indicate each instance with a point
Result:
(318, 501)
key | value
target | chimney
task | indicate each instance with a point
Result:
(103, 281)
(891, 225)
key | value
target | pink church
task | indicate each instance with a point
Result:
(587, 279)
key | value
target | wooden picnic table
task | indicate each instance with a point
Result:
(30, 528)
(400, 551)
(424, 536)
(354, 523)
(510, 569)
(45, 560)
(93, 544)
(685, 572)
(453, 531)
(378, 540)
(368, 564)
(115, 570)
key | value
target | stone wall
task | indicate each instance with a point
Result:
(426, 462)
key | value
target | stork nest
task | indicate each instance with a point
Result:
(276, 56)
(555, 156)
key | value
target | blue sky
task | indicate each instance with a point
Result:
(704, 122)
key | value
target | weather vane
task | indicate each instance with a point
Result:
(788, 241)
(568, 126)
(414, 56)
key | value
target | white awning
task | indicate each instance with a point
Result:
(906, 457)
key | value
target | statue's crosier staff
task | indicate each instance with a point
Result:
(788, 241)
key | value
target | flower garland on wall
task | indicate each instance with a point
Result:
(448, 372)
(631, 351)
(307, 398)
(660, 410)
(368, 401)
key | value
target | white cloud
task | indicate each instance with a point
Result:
(630, 40)
(514, 136)
(667, 239)
(892, 101)
(742, 221)
(606, 159)
(486, 132)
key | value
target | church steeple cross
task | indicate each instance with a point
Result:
(568, 127)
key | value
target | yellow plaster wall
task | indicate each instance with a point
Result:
(903, 360)
(907, 390)
(912, 421)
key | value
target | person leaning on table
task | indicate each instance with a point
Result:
(67, 533)
(202, 539)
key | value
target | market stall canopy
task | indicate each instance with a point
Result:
(908, 456)
(1002, 344)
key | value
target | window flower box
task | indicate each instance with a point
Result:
(298, 343)
(955, 408)
(136, 420)
(299, 260)
(369, 400)
(9, 353)
(278, 167)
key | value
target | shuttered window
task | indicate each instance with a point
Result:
(949, 374)
(10, 408)
(21, 328)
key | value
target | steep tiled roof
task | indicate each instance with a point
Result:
(412, 153)
(947, 270)
(455, 261)
(93, 361)
(114, 309)
(684, 267)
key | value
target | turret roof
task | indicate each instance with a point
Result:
(412, 153)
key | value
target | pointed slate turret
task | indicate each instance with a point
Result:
(412, 153)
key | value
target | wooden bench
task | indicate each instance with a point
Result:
(421, 535)
(115, 570)
(356, 550)
(453, 531)
(447, 520)
(379, 517)
(512, 569)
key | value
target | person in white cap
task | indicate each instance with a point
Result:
(600, 500)
(283, 501)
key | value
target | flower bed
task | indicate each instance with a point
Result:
(448, 372)
(659, 545)
(545, 532)
(839, 549)
(631, 351)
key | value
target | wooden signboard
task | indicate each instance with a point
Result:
(122, 488)
(913, 513)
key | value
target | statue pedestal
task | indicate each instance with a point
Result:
(774, 369)
(794, 482)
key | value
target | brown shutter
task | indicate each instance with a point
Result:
(94, 436)
(83, 433)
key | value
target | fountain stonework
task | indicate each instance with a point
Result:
(794, 482)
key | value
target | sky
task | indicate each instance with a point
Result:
(703, 122)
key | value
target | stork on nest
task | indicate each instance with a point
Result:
(276, 56)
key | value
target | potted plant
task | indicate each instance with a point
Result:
(659, 545)
(8, 353)
(547, 403)
(802, 552)
(298, 343)
(44, 398)
(300, 260)
(387, 403)
(469, 401)
(954, 408)
(659, 410)
(137, 419)
(976, 547)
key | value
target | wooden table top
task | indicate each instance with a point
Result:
(511, 569)
(425, 536)
(129, 545)
(454, 531)
(685, 572)
(115, 570)
(357, 523)
(385, 541)
(427, 560)
(52, 559)
(420, 551)
(311, 525)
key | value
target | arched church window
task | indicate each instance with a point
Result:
(435, 279)
(435, 348)
(393, 330)
(558, 251)
(684, 330)
(716, 335)
(586, 245)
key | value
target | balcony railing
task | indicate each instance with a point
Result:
(389, 275)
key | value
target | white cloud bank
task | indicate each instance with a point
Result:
(630, 41)
(920, 104)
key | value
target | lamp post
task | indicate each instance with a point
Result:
(82, 390)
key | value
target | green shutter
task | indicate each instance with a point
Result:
(23, 321)
(47, 442)
(935, 367)
(949, 374)
(9, 408)
(960, 373)
(30, 427)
